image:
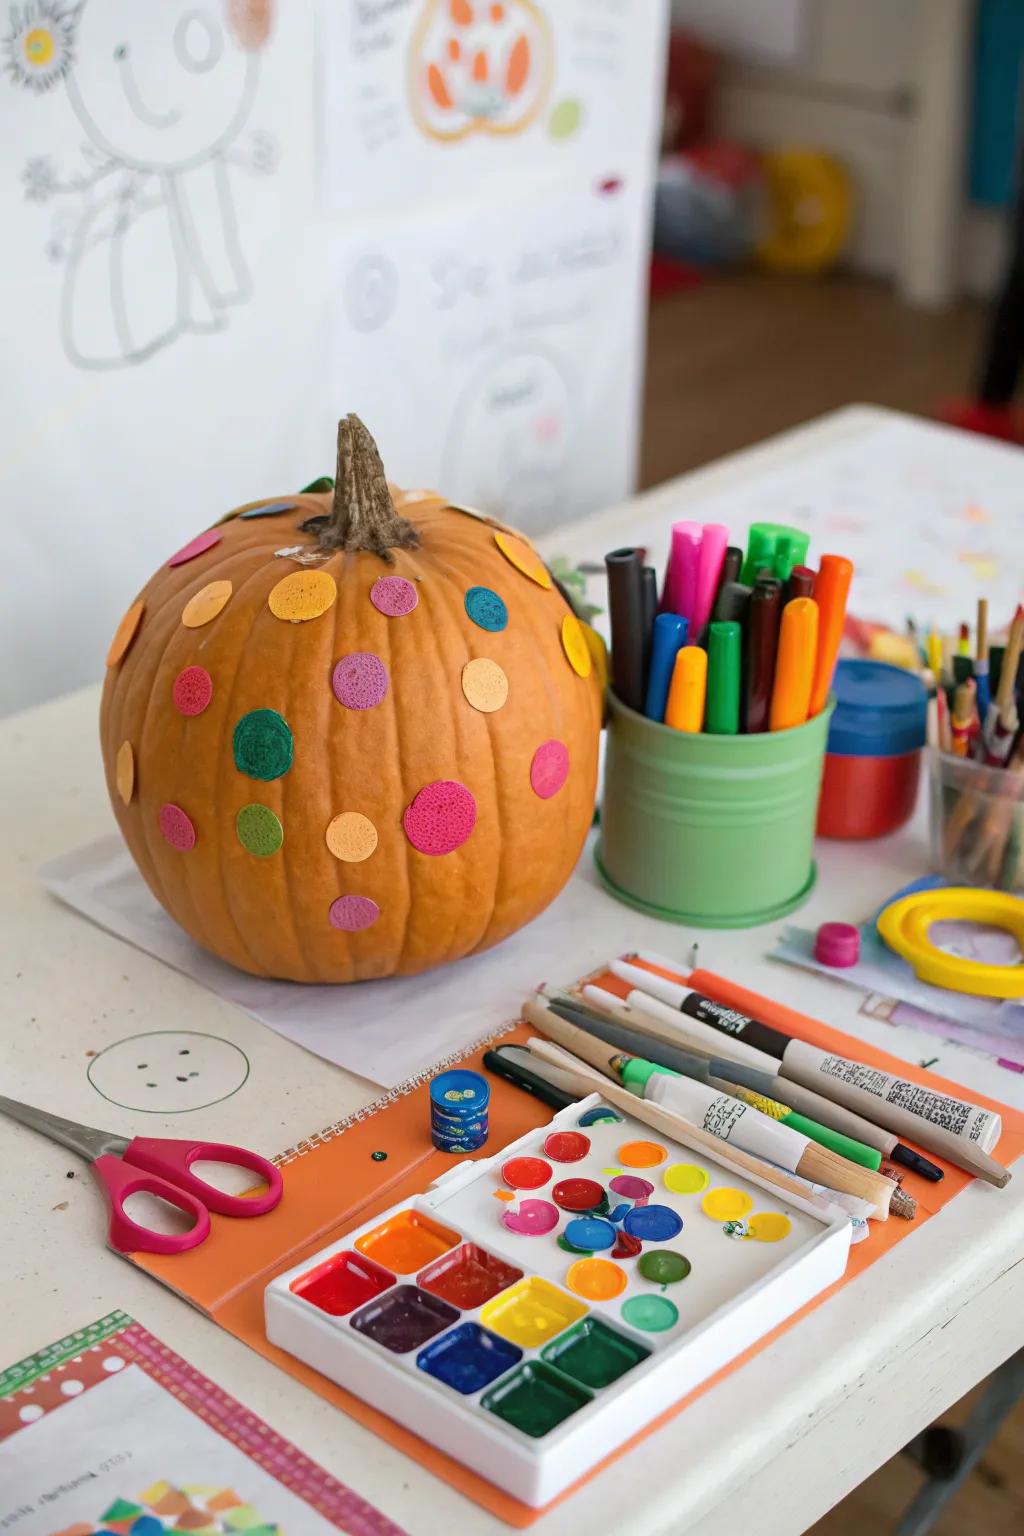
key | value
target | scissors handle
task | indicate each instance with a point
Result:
(118, 1180)
(172, 1160)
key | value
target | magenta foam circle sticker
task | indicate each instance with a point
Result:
(393, 596)
(197, 546)
(360, 680)
(193, 690)
(351, 914)
(549, 769)
(441, 817)
(176, 827)
(534, 1218)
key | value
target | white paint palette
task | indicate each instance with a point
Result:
(533, 1310)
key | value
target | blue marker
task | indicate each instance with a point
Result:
(669, 637)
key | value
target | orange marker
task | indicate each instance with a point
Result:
(831, 590)
(794, 663)
(685, 708)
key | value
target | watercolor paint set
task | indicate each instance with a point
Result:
(533, 1310)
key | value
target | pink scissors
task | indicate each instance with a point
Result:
(154, 1166)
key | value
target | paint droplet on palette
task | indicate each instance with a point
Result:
(627, 1247)
(484, 684)
(525, 559)
(206, 604)
(393, 596)
(596, 1279)
(533, 1218)
(441, 817)
(176, 827)
(686, 1179)
(269, 509)
(630, 1187)
(360, 680)
(525, 1172)
(663, 1266)
(577, 1194)
(193, 690)
(653, 1223)
(575, 646)
(262, 744)
(259, 830)
(197, 546)
(351, 914)
(566, 1146)
(302, 595)
(769, 1226)
(549, 769)
(124, 771)
(125, 633)
(379, 1157)
(590, 1233)
(600, 1116)
(641, 1154)
(726, 1204)
(351, 837)
(651, 1314)
(486, 609)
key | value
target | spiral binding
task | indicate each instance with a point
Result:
(320, 1138)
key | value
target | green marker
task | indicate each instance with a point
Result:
(722, 710)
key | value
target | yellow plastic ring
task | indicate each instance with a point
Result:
(905, 928)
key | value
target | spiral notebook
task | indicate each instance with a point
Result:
(334, 1181)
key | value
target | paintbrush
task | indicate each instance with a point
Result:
(796, 1152)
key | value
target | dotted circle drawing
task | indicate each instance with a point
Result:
(168, 1071)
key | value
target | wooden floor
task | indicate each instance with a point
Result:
(741, 357)
(732, 362)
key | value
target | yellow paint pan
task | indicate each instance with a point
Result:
(905, 928)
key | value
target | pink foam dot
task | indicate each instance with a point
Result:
(352, 913)
(197, 546)
(360, 680)
(193, 690)
(393, 595)
(549, 769)
(177, 827)
(440, 818)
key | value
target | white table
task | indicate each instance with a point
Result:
(770, 1448)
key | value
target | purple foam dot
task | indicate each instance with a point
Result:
(393, 596)
(353, 913)
(440, 818)
(197, 546)
(549, 769)
(177, 827)
(360, 680)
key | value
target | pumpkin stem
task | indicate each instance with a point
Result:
(362, 515)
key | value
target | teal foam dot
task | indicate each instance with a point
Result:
(263, 744)
(486, 609)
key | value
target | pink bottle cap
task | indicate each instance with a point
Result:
(837, 945)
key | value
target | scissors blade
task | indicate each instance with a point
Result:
(83, 1139)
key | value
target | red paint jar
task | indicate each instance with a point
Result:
(873, 759)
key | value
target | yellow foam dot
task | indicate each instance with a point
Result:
(769, 1226)
(574, 644)
(125, 633)
(206, 604)
(686, 1179)
(641, 1154)
(484, 684)
(302, 595)
(596, 1279)
(351, 836)
(124, 771)
(726, 1204)
(526, 559)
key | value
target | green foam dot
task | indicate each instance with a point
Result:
(318, 486)
(259, 831)
(262, 744)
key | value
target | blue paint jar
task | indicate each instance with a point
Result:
(459, 1102)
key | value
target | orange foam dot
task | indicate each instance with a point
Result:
(124, 771)
(351, 836)
(302, 595)
(484, 684)
(524, 557)
(206, 604)
(574, 644)
(125, 633)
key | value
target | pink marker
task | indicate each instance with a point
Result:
(680, 587)
(715, 538)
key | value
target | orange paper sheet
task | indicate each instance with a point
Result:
(336, 1185)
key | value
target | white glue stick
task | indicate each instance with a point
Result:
(727, 1118)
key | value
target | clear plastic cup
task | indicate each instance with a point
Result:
(977, 822)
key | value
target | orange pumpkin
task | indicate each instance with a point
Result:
(351, 733)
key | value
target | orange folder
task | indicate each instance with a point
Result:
(333, 1183)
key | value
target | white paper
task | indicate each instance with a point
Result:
(750, 28)
(495, 349)
(157, 190)
(126, 1434)
(591, 95)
